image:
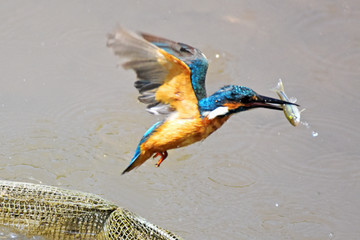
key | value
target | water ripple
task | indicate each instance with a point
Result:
(319, 38)
(298, 151)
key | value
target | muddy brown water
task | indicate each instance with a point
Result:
(70, 118)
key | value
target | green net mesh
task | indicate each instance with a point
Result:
(57, 213)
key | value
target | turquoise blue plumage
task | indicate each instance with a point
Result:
(171, 81)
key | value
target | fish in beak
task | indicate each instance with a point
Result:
(268, 102)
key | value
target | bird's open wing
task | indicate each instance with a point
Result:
(164, 72)
(191, 56)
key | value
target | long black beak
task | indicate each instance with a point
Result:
(268, 102)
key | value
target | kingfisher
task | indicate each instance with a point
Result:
(171, 81)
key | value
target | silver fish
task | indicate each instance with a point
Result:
(291, 112)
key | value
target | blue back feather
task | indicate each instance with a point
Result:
(198, 69)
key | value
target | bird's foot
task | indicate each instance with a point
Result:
(162, 158)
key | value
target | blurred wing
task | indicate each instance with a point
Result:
(164, 80)
(192, 57)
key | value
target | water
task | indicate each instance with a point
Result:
(70, 118)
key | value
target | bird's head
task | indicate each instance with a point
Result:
(232, 99)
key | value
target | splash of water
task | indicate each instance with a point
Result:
(307, 125)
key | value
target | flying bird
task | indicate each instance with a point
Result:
(171, 81)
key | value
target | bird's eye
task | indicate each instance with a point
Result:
(246, 99)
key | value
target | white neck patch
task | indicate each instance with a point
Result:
(219, 111)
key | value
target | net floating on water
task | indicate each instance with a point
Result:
(57, 213)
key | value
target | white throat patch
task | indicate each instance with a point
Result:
(219, 111)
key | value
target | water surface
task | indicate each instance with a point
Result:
(70, 118)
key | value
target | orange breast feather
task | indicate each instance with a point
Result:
(177, 132)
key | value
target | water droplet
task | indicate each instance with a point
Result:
(306, 124)
(315, 134)
(276, 205)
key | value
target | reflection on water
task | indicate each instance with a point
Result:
(70, 117)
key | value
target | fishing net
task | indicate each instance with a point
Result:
(56, 213)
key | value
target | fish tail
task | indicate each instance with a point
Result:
(279, 87)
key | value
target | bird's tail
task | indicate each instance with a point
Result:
(138, 159)
(141, 156)
(135, 161)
